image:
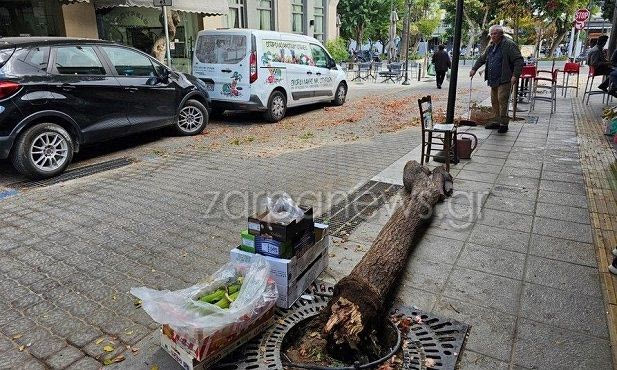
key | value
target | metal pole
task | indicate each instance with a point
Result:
(406, 82)
(456, 52)
(612, 41)
(166, 36)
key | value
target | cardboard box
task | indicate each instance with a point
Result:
(284, 233)
(269, 247)
(293, 276)
(248, 242)
(289, 294)
(206, 355)
(284, 271)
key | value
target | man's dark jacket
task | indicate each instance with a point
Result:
(512, 61)
(441, 60)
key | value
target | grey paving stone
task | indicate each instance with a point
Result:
(572, 200)
(510, 204)
(64, 358)
(86, 363)
(83, 334)
(492, 260)
(563, 250)
(32, 364)
(530, 164)
(482, 289)
(45, 348)
(14, 359)
(547, 347)
(563, 275)
(563, 229)
(427, 275)
(514, 192)
(495, 237)
(491, 333)
(482, 152)
(476, 176)
(487, 160)
(506, 220)
(563, 187)
(451, 229)
(558, 308)
(483, 167)
(562, 176)
(437, 249)
(565, 213)
(517, 181)
(365, 233)
(413, 297)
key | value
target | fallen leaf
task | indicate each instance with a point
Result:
(313, 334)
(134, 350)
(114, 360)
(154, 367)
(21, 348)
(108, 349)
(17, 336)
(99, 341)
(137, 303)
(129, 332)
(429, 362)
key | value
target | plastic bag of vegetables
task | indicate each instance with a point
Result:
(235, 294)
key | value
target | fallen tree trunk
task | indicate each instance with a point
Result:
(357, 306)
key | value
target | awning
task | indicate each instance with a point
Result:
(208, 7)
(73, 1)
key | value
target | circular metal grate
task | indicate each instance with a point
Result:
(431, 343)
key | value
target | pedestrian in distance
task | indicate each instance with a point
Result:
(441, 61)
(504, 63)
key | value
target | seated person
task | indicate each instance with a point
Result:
(597, 59)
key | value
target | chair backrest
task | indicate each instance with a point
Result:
(529, 71)
(571, 67)
(364, 66)
(395, 67)
(377, 65)
(426, 112)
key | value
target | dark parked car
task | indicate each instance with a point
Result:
(57, 94)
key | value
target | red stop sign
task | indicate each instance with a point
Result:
(581, 15)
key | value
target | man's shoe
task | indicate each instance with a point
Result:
(613, 266)
(492, 126)
(603, 88)
(502, 129)
(612, 92)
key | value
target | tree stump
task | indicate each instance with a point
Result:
(357, 307)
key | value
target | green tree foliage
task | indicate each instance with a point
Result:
(559, 13)
(337, 49)
(478, 15)
(356, 17)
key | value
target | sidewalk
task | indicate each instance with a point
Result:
(519, 252)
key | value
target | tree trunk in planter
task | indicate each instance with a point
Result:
(159, 48)
(357, 306)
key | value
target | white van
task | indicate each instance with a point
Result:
(266, 71)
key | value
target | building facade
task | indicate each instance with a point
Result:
(316, 18)
(141, 26)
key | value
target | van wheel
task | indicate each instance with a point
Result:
(277, 105)
(340, 95)
(44, 150)
(192, 118)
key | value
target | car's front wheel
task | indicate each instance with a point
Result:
(192, 118)
(42, 151)
(340, 95)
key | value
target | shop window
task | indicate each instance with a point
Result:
(78, 60)
(236, 18)
(266, 15)
(297, 16)
(129, 63)
(319, 17)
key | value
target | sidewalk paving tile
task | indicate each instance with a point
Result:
(572, 200)
(564, 309)
(563, 229)
(437, 249)
(564, 213)
(510, 204)
(563, 250)
(495, 261)
(542, 346)
(563, 275)
(506, 220)
(516, 241)
(515, 192)
(491, 333)
(483, 289)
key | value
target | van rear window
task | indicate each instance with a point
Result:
(221, 49)
(5, 54)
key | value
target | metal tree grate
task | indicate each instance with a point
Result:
(346, 215)
(75, 173)
(432, 342)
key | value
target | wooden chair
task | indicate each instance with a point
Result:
(442, 136)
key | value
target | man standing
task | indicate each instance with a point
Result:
(441, 61)
(504, 63)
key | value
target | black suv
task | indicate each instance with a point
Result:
(57, 94)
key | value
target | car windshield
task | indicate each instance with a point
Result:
(221, 49)
(5, 54)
